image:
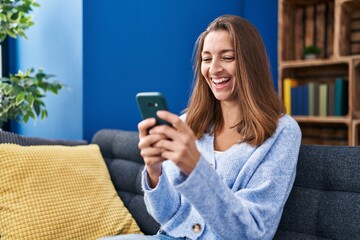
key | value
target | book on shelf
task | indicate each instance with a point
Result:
(294, 110)
(331, 99)
(316, 98)
(323, 99)
(311, 87)
(303, 100)
(287, 85)
(300, 100)
(313, 96)
(341, 95)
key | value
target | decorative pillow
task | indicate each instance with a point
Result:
(58, 192)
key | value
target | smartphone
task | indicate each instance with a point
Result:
(149, 103)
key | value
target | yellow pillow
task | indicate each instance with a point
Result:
(58, 192)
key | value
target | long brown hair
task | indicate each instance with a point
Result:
(259, 104)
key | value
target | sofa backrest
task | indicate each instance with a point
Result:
(10, 137)
(325, 200)
(122, 156)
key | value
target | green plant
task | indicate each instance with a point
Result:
(22, 94)
(15, 17)
(311, 50)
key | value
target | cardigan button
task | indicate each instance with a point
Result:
(196, 228)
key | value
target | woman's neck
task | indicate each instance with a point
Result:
(231, 114)
(228, 135)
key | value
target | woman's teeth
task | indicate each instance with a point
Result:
(220, 80)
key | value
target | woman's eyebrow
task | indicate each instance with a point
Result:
(221, 52)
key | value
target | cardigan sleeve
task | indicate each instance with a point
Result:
(163, 201)
(254, 210)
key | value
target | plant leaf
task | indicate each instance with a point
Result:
(8, 89)
(20, 98)
(44, 114)
(37, 107)
(30, 99)
(26, 118)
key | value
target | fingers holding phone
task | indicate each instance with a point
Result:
(149, 103)
(169, 135)
(151, 155)
(179, 142)
(145, 125)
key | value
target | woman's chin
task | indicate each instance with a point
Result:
(222, 96)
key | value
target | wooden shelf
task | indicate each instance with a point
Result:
(298, 27)
(315, 62)
(347, 35)
(325, 133)
(355, 133)
(304, 2)
(311, 119)
(334, 26)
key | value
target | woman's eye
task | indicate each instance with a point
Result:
(228, 58)
(206, 59)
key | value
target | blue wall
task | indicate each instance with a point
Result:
(55, 44)
(137, 46)
(264, 15)
(129, 46)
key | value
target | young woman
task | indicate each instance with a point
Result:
(224, 170)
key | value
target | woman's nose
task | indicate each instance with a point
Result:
(216, 67)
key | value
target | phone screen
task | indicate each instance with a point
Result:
(149, 103)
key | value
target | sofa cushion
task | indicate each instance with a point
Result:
(325, 200)
(125, 164)
(52, 192)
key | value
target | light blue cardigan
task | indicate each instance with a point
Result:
(239, 195)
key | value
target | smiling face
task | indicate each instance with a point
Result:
(218, 65)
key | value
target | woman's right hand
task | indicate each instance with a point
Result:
(151, 155)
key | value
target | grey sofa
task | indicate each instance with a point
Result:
(324, 203)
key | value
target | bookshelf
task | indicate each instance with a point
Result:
(322, 94)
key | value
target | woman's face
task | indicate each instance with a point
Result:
(218, 64)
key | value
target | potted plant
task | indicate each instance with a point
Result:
(21, 94)
(311, 52)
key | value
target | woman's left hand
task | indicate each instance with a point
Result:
(180, 144)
